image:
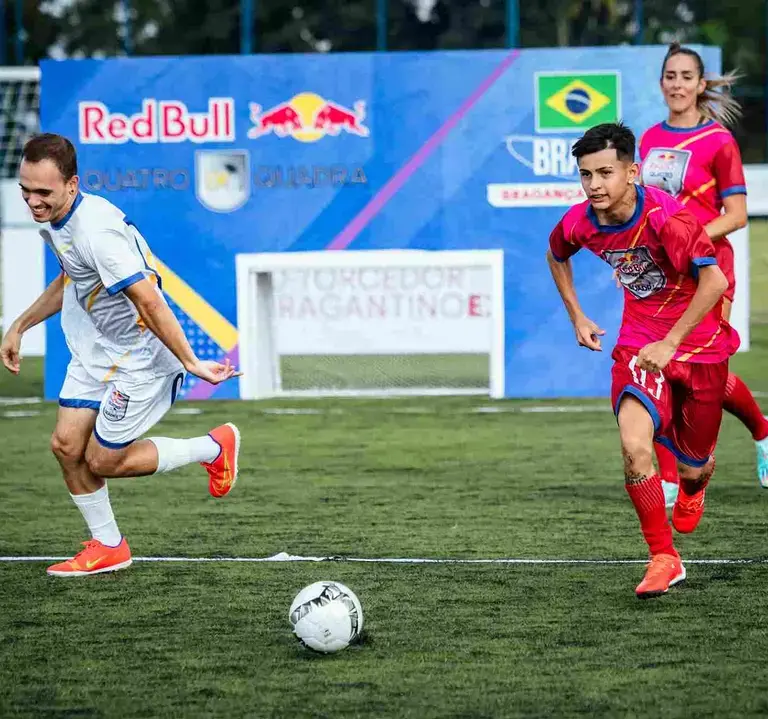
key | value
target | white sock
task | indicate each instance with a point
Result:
(175, 453)
(97, 513)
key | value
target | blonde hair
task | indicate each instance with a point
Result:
(717, 101)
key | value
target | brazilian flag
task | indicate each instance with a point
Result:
(574, 102)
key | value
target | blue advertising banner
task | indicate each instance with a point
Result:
(214, 156)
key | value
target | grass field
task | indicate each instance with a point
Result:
(440, 478)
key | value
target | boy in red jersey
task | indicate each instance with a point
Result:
(671, 358)
(695, 158)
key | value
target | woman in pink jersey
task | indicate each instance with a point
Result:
(693, 156)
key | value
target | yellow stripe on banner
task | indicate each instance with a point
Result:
(215, 325)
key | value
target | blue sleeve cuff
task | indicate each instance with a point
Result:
(735, 190)
(127, 282)
(556, 258)
(701, 262)
(704, 261)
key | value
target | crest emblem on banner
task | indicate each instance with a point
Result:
(222, 179)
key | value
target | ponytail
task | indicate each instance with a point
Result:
(717, 103)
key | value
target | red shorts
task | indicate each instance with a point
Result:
(685, 402)
(724, 257)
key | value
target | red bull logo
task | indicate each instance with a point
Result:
(631, 263)
(308, 117)
(158, 121)
(666, 156)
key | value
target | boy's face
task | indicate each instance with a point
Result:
(606, 179)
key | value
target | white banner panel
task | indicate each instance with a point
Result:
(740, 310)
(757, 190)
(383, 310)
(23, 271)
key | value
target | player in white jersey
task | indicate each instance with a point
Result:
(129, 354)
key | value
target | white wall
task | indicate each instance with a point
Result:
(23, 270)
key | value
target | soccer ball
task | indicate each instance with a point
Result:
(326, 617)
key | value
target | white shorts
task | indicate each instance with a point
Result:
(126, 411)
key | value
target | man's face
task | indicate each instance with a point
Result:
(47, 194)
(606, 179)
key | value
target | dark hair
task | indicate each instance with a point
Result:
(56, 148)
(716, 102)
(610, 135)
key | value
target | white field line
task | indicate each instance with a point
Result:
(284, 557)
(10, 401)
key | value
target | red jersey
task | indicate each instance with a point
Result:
(697, 165)
(656, 254)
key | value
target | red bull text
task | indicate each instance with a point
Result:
(158, 121)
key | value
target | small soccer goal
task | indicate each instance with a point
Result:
(371, 322)
(19, 115)
(21, 251)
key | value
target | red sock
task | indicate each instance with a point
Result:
(648, 498)
(667, 463)
(740, 402)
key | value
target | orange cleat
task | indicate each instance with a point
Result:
(223, 470)
(96, 558)
(688, 510)
(663, 572)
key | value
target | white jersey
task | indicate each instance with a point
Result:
(102, 254)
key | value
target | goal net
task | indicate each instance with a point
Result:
(19, 115)
(356, 323)
(19, 120)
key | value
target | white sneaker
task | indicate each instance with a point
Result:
(762, 462)
(670, 492)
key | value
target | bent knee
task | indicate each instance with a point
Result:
(689, 473)
(67, 448)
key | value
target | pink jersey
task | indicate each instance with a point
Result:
(697, 165)
(656, 254)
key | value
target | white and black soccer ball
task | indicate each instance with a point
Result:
(326, 617)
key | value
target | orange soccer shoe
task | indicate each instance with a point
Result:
(688, 510)
(96, 558)
(223, 470)
(663, 572)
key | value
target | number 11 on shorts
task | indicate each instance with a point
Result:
(640, 379)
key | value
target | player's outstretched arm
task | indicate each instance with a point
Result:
(45, 306)
(162, 322)
(712, 283)
(587, 332)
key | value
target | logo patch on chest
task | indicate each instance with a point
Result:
(637, 271)
(665, 168)
(116, 406)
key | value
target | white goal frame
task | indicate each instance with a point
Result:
(21, 251)
(259, 358)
